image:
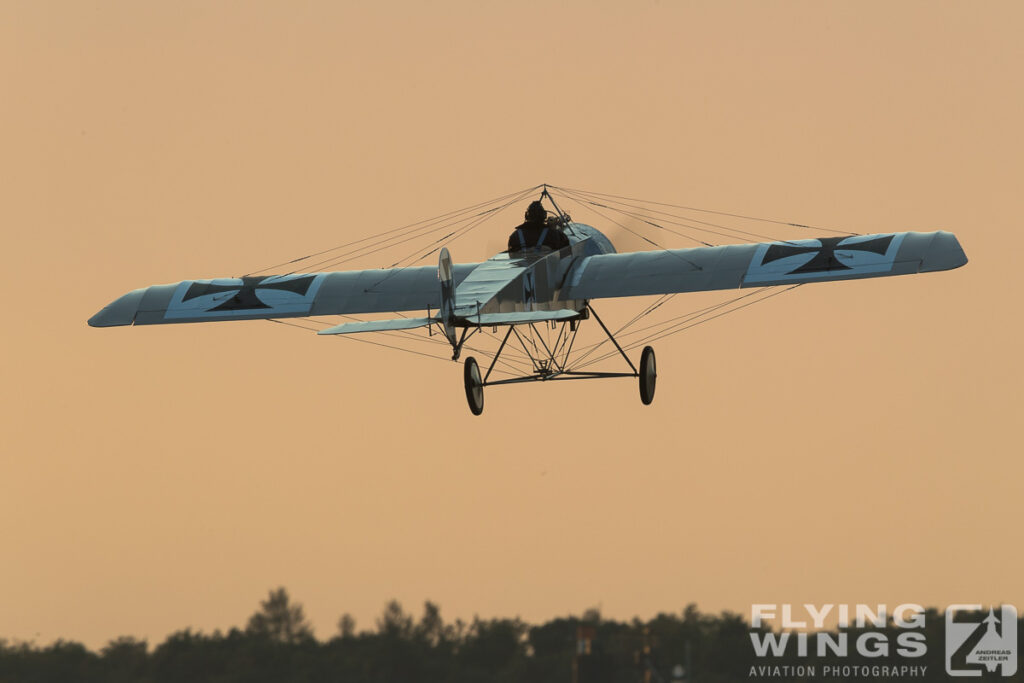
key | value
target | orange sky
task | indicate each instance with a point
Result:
(846, 442)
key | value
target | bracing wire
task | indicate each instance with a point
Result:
(364, 341)
(435, 246)
(711, 211)
(452, 225)
(674, 253)
(389, 346)
(694, 321)
(458, 223)
(409, 335)
(588, 350)
(638, 213)
(415, 226)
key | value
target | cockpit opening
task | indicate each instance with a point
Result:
(539, 230)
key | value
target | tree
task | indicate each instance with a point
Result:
(125, 659)
(492, 645)
(432, 629)
(347, 626)
(394, 622)
(279, 620)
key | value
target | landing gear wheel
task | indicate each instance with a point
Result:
(474, 386)
(648, 375)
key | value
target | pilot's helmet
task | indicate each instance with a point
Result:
(536, 213)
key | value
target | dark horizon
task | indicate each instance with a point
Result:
(278, 643)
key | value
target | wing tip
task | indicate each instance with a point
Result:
(944, 253)
(120, 312)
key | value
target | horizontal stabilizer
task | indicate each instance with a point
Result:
(519, 317)
(378, 325)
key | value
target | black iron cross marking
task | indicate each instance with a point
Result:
(246, 298)
(825, 259)
(529, 290)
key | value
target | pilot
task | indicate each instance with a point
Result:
(536, 231)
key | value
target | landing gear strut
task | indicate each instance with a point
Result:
(552, 363)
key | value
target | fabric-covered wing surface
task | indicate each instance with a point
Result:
(279, 296)
(759, 265)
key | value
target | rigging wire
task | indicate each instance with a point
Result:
(700, 320)
(635, 213)
(770, 295)
(458, 224)
(719, 213)
(679, 319)
(473, 220)
(588, 350)
(470, 223)
(672, 323)
(458, 234)
(371, 249)
(665, 324)
(518, 356)
(443, 216)
(581, 199)
(465, 230)
(691, 315)
(364, 341)
(674, 253)
(375, 343)
(408, 335)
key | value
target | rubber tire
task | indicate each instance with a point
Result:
(474, 386)
(648, 375)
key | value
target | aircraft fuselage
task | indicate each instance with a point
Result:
(531, 280)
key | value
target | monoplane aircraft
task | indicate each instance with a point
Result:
(534, 285)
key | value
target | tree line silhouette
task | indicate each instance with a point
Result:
(278, 644)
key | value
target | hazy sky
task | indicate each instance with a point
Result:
(846, 442)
